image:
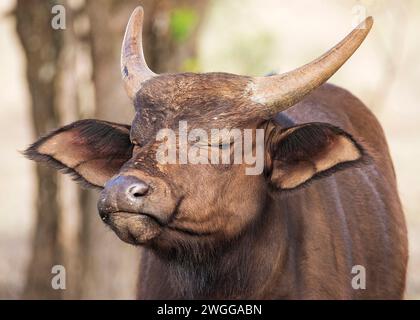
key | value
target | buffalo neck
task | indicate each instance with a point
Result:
(241, 268)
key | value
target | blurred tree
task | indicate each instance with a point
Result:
(42, 46)
(59, 94)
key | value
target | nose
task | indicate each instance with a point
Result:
(122, 193)
(136, 189)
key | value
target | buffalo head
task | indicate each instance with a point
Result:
(172, 205)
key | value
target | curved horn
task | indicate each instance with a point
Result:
(279, 92)
(134, 69)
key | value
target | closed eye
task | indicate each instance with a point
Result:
(215, 145)
(210, 144)
(223, 146)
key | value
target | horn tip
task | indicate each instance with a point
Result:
(138, 15)
(366, 24)
(138, 10)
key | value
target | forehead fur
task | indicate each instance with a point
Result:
(216, 100)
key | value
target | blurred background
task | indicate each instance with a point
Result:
(51, 77)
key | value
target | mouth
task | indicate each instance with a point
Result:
(134, 228)
(139, 228)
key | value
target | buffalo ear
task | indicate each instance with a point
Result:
(301, 153)
(92, 151)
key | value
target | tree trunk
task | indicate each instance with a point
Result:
(42, 47)
(76, 102)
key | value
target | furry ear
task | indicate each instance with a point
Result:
(296, 155)
(92, 151)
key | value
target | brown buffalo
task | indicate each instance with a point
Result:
(325, 202)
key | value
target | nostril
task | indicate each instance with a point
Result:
(138, 189)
